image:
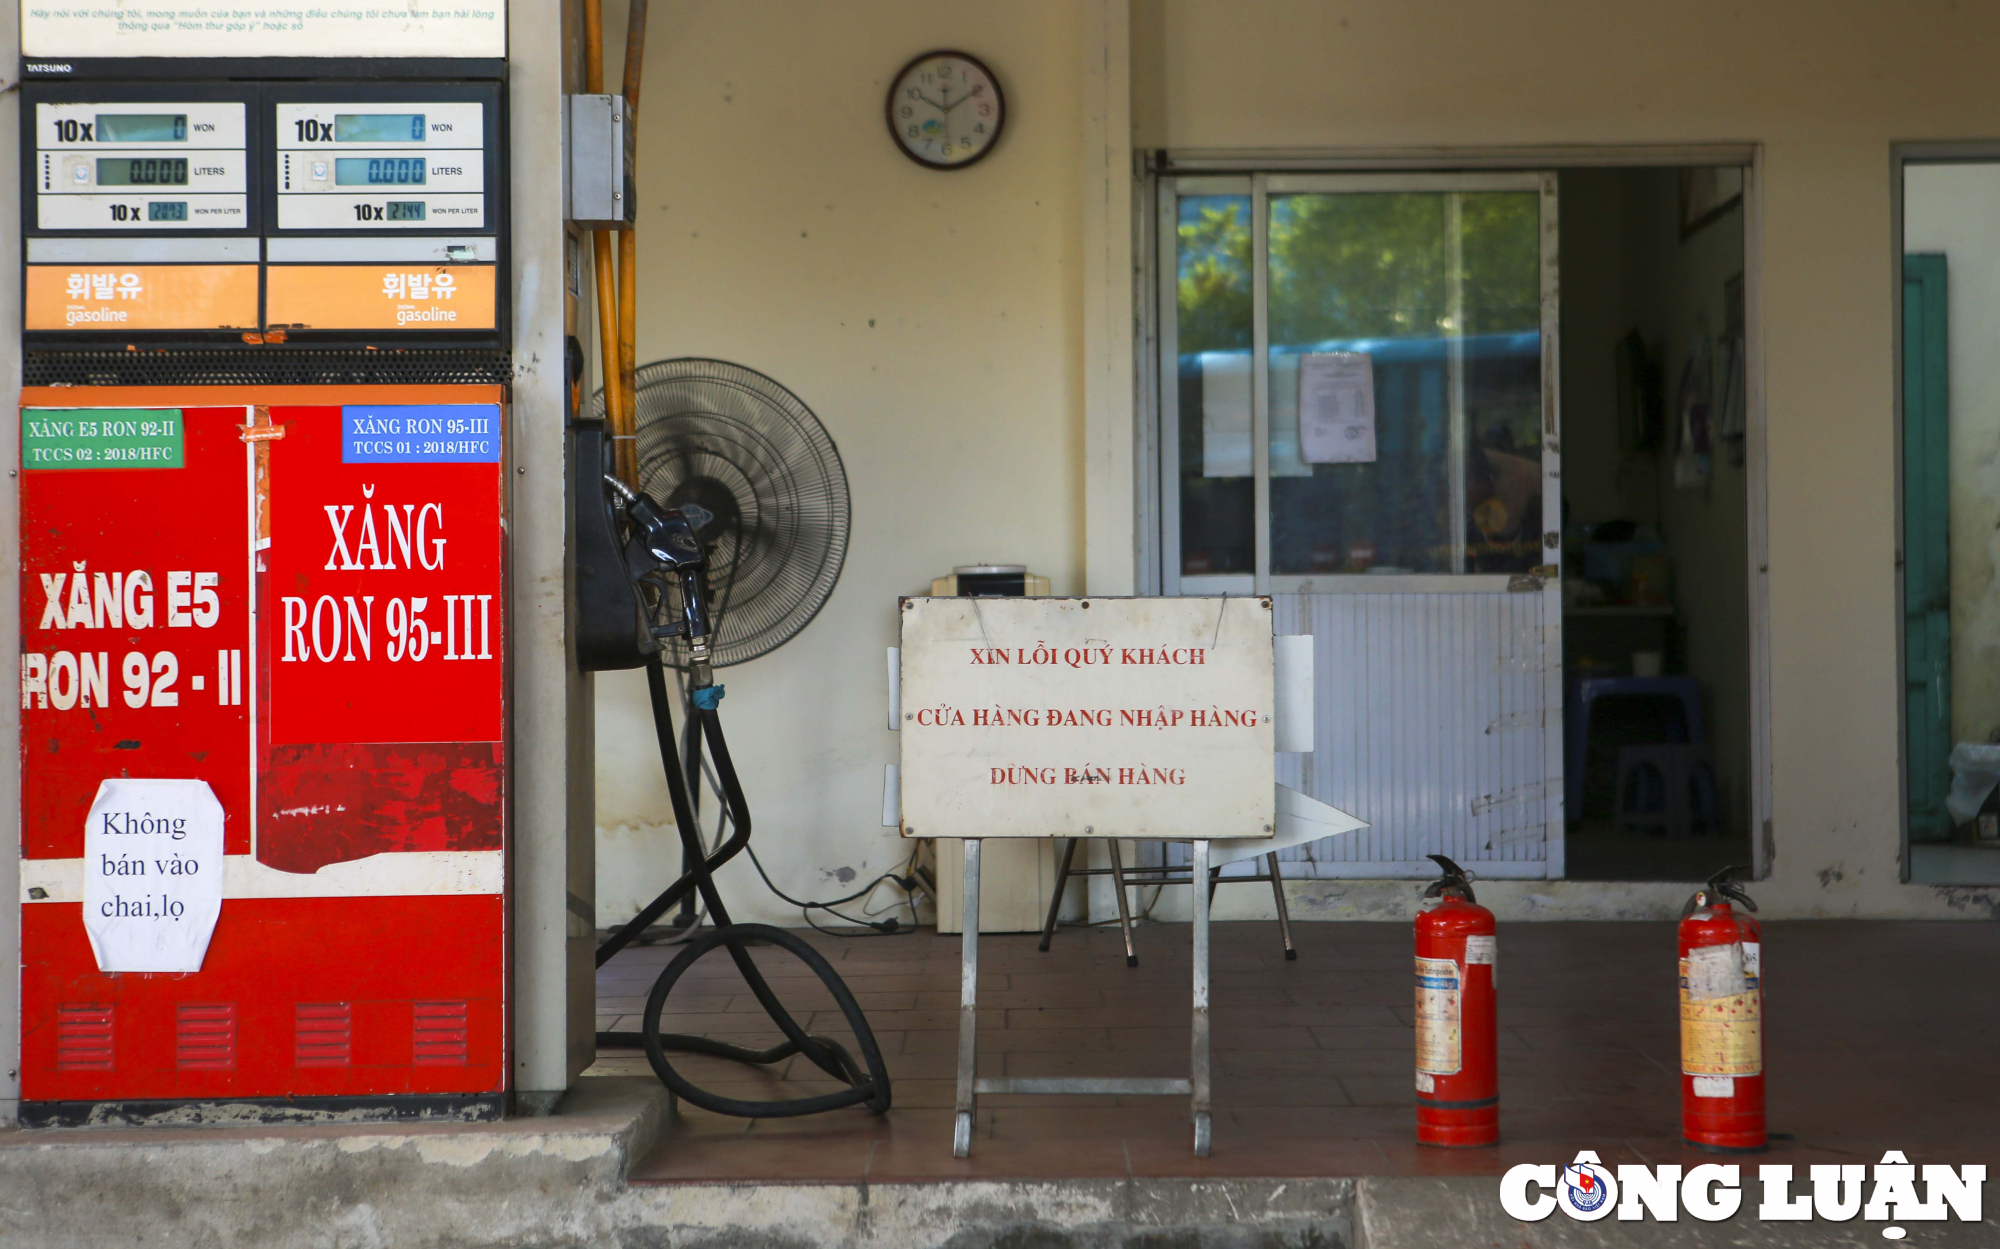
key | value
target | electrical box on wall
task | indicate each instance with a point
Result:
(316, 213)
(598, 174)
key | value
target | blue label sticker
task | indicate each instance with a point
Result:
(459, 433)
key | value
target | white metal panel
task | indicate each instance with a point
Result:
(1429, 723)
(1430, 717)
(1292, 710)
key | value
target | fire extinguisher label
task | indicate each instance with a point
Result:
(1721, 1014)
(1483, 950)
(1438, 1033)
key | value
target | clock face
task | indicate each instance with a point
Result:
(945, 110)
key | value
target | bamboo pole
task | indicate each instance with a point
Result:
(607, 289)
(627, 453)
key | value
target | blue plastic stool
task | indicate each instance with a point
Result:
(1585, 694)
(1666, 786)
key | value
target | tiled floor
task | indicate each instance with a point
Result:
(1878, 1036)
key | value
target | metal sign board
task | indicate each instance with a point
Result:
(1100, 717)
(210, 28)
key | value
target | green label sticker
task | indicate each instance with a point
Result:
(101, 438)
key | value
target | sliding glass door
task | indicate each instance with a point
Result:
(1358, 418)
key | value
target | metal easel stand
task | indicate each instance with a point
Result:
(1195, 1087)
(1139, 876)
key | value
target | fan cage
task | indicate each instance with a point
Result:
(749, 454)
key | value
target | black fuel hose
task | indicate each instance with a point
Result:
(867, 1080)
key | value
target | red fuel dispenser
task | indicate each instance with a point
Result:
(262, 565)
(1722, 1020)
(263, 802)
(1458, 1084)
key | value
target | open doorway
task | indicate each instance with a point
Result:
(1655, 509)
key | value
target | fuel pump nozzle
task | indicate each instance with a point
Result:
(662, 545)
(1720, 889)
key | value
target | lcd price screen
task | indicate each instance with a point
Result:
(406, 210)
(167, 210)
(378, 171)
(142, 171)
(378, 127)
(142, 127)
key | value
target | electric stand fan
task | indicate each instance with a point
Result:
(754, 472)
(762, 484)
(734, 541)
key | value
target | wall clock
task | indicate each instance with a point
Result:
(945, 110)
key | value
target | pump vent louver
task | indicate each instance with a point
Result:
(83, 1037)
(205, 1036)
(265, 366)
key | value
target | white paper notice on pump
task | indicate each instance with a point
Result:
(152, 874)
(278, 28)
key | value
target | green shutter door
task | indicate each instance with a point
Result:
(1926, 544)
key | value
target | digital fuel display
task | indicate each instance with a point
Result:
(379, 171)
(110, 166)
(142, 128)
(406, 210)
(142, 171)
(378, 127)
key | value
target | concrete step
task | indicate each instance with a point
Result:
(559, 1182)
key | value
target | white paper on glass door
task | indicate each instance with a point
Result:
(1337, 407)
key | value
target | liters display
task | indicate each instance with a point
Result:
(142, 171)
(379, 170)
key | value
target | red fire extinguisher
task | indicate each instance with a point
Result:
(1722, 1019)
(1458, 1083)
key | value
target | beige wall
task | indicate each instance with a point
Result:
(929, 319)
(779, 221)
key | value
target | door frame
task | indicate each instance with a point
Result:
(1902, 155)
(1152, 296)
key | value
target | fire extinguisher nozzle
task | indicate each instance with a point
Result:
(1453, 880)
